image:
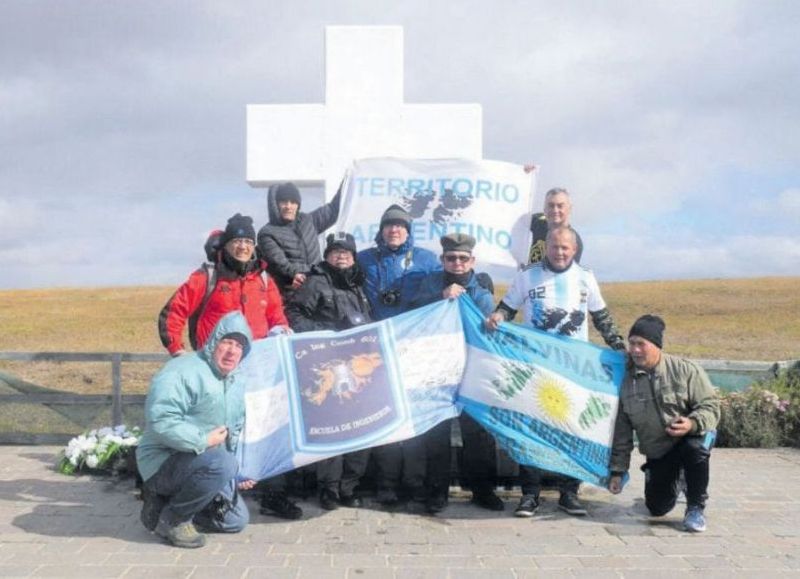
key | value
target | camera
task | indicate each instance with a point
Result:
(390, 297)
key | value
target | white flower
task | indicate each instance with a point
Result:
(130, 441)
(92, 460)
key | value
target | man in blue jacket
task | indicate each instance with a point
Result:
(394, 269)
(195, 414)
(427, 457)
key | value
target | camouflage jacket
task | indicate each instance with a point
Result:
(649, 402)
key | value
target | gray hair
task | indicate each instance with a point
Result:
(556, 191)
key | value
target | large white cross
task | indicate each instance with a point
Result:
(363, 116)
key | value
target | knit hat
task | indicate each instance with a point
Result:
(237, 336)
(287, 192)
(457, 242)
(239, 227)
(396, 214)
(649, 327)
(340, 240)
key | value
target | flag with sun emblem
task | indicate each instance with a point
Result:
(550, 401)
(315, 395)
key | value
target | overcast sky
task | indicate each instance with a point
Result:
(675, 125)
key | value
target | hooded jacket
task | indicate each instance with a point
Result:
(433, 285)
(328, 300)
(188, 398)
(400, 271)
(259, 301)
(292, 247)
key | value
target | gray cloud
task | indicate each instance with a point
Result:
(122, 125)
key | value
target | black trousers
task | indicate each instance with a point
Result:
(530, 481)
(342, 473)
(661, 476)
(478, 459)
(426, 461)
(389, 465)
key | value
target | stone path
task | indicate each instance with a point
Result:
(57, 526)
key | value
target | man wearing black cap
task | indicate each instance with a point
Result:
(187, 456)
(332, 298)
(673, 408)
(558, 296)
(427, 457)
(236, 281)
(289, 242)
(394, 269)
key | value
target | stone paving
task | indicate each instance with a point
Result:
(57, 526)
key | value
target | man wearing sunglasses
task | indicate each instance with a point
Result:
(428, 456)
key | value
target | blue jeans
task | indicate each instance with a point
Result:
(191, 481)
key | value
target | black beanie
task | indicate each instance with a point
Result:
(396, 214)
(287, 192)
(342, 240)
(239, 226)
(238, 337)
(649, 327)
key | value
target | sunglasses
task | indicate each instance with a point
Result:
(457, 258)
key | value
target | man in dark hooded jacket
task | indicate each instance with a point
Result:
(289, 242)
(332, 298)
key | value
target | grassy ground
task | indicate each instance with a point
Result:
(748, 319)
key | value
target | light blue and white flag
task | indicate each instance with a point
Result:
(550, 401)
(490, 200)
(316, 395)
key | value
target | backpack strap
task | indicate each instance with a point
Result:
(211, 282)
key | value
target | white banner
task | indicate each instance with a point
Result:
(490, 200)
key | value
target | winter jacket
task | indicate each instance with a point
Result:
(188, 398)
(292, 247)
(679, 387)
(431, 288)
(400, 271)
(328, 300)
(261, 304)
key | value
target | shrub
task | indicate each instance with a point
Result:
(753, 418)
(786, 384)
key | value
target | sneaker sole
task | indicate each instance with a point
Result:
(524, 514)
(693, 530)
(574, 512)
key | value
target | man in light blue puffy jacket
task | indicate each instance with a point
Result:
(195, 414)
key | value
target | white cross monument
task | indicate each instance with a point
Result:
(363, 116)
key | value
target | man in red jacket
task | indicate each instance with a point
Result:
(239, 284)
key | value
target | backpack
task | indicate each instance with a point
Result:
(212, 248)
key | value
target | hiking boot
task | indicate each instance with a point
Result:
(328, 500)
(387, 497)
(436, 504)
(351, 501)
(489, 501)
(527, 507)
(152, 506)
(570, 504)
(419, 494)
(183, 535)
(694, 521)
(278, 504)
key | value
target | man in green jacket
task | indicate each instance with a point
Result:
(195, 414)
(674, 409)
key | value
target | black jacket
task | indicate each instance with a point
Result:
(329, 300)
(293, 247)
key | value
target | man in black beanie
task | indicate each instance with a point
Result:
(674, 409)
(289, 242)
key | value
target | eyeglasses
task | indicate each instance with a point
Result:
(243, 241)
(457, 258)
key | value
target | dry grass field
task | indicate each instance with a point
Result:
(745, 319)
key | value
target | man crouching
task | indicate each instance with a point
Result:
(194, 414)
(674, 409)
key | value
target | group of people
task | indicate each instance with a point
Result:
(255, 286)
